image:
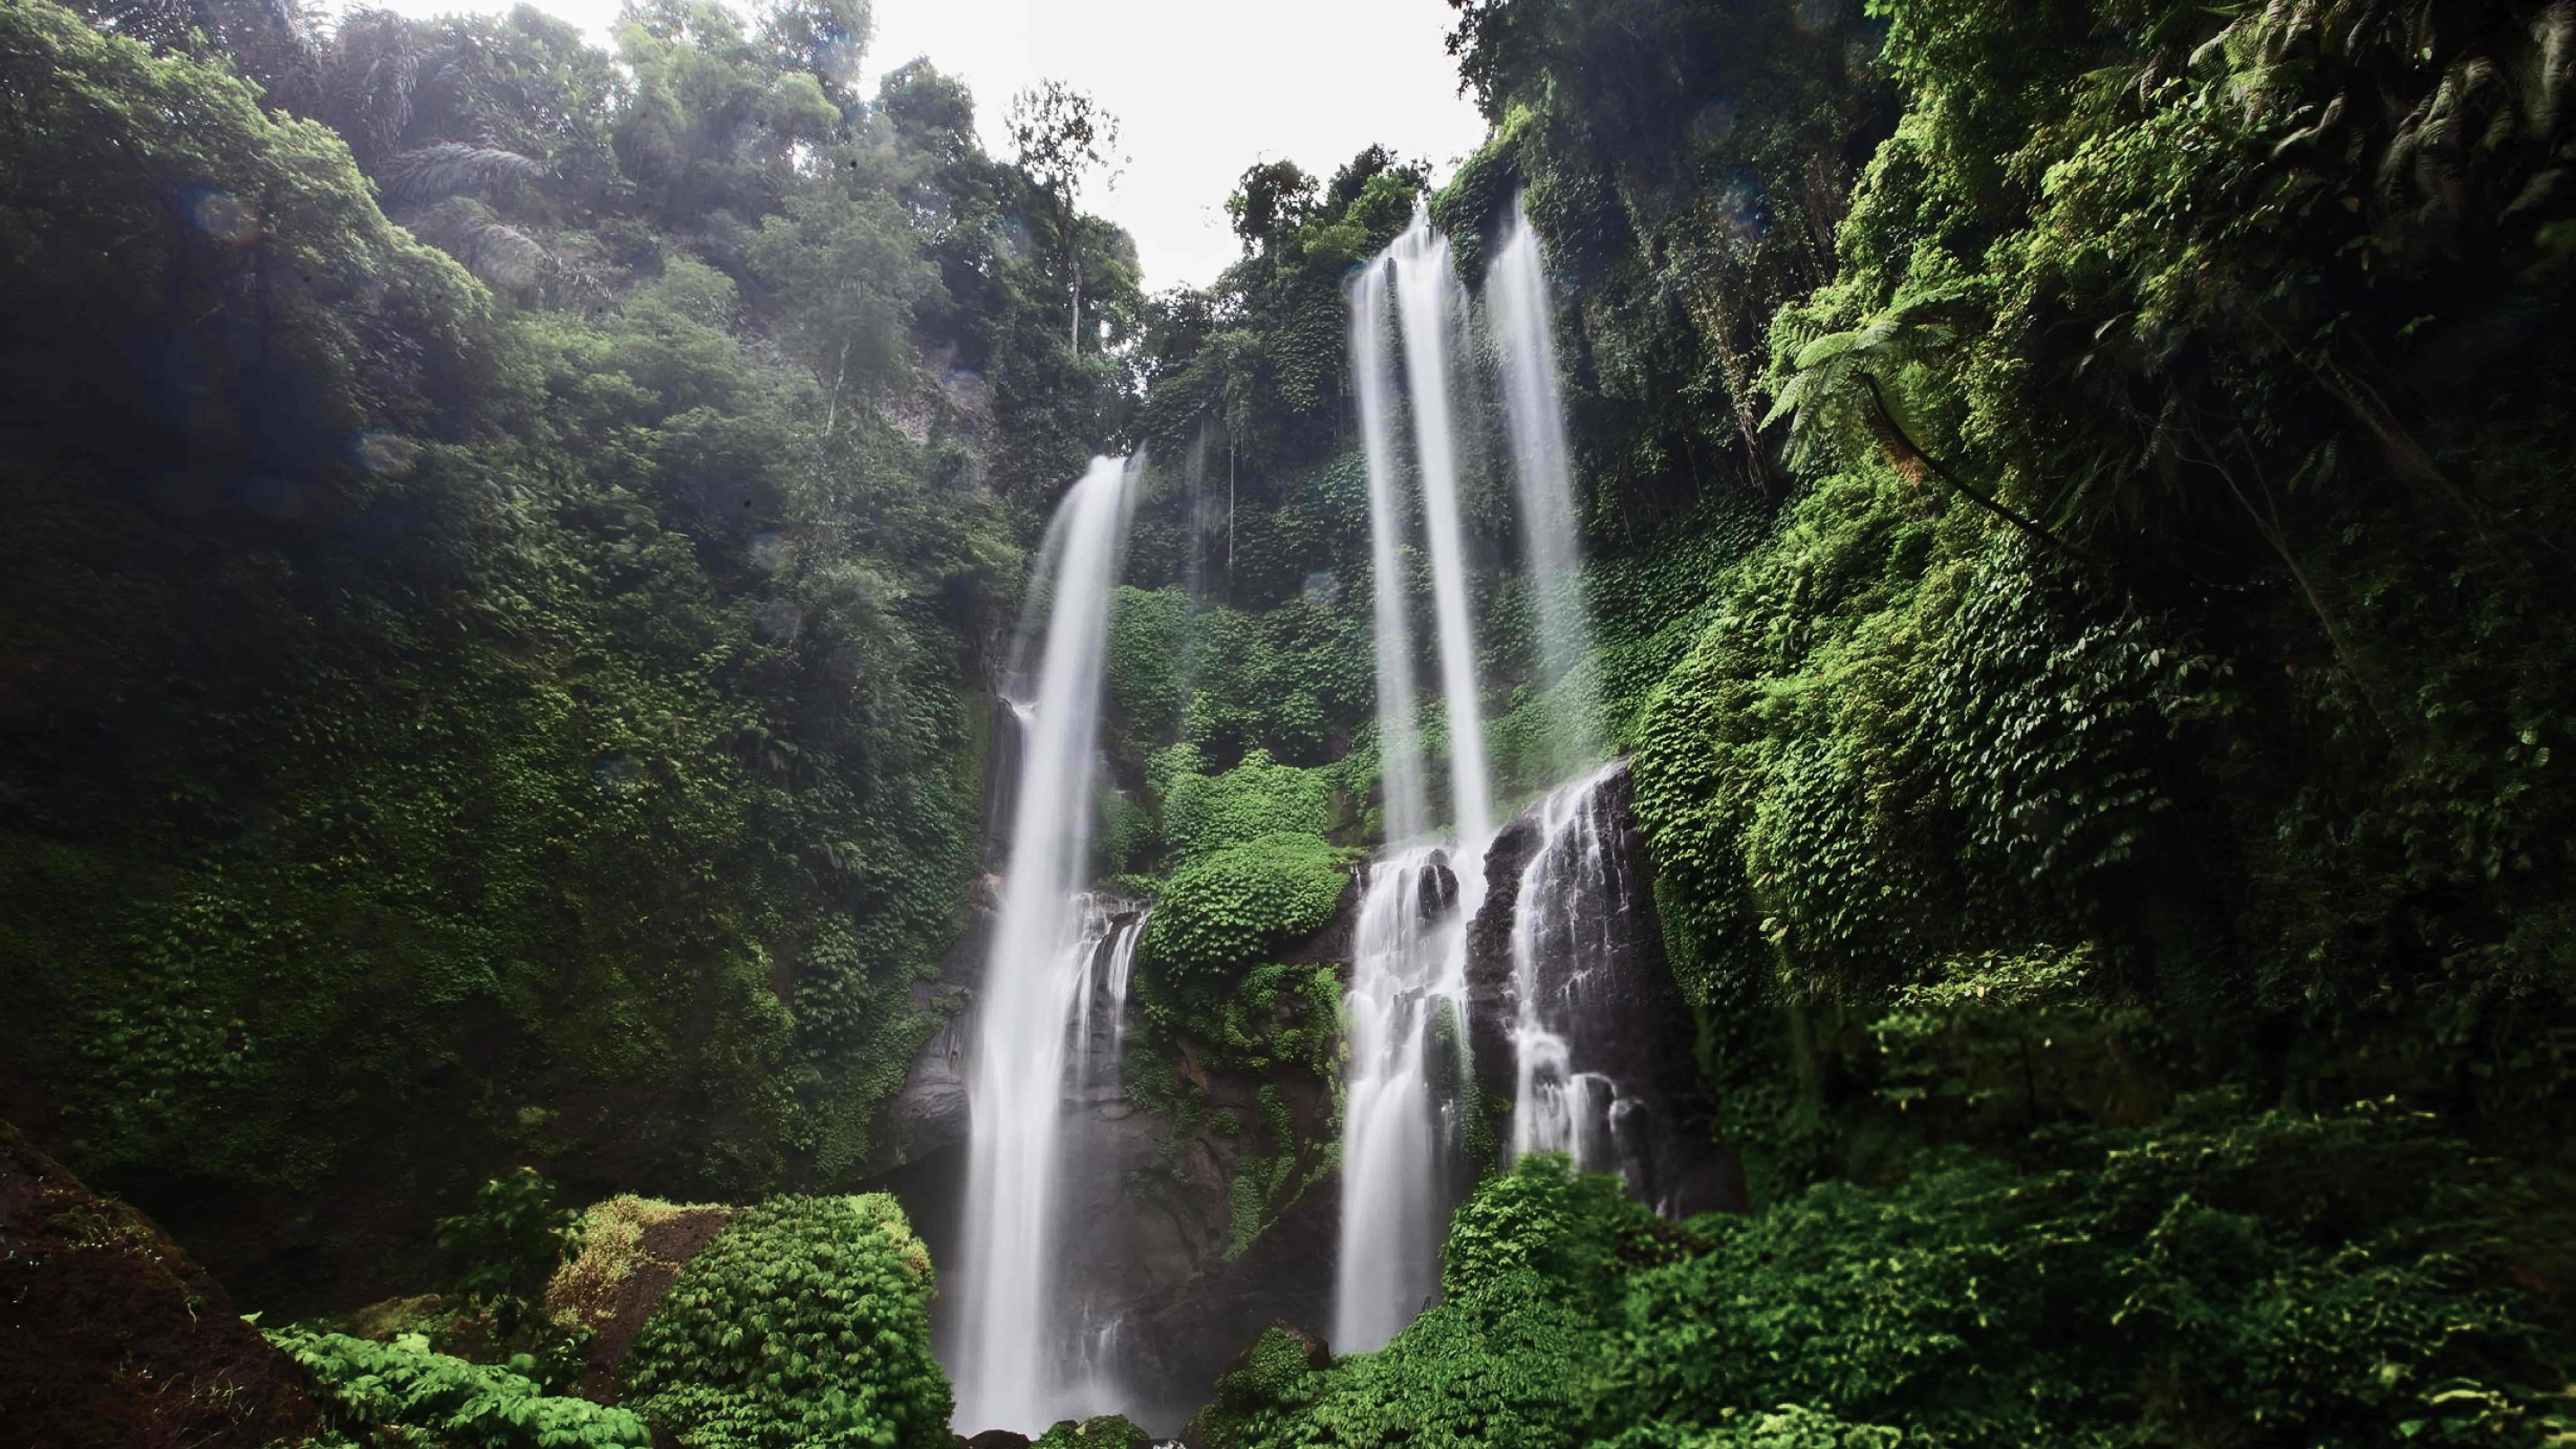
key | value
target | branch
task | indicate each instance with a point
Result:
(1991, 505)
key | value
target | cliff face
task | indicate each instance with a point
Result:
(1203, 1209)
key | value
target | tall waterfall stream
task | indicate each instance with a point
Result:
(1050, 1014)
(1018, 1357)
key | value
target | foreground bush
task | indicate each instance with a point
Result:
(2224, 1278)
(805, 1322)
(419, 1396)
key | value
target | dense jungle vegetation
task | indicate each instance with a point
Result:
(507, 547)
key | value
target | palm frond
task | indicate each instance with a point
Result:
(493, 250)
(452, 168)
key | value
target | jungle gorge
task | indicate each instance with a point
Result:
(1850, 745)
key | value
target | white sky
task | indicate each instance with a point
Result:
(1201, 88)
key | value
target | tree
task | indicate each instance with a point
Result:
(850, 271)
(1064, 138)
(1273, 199)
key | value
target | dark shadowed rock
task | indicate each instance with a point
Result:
(111, 1336)
(1493, 997)
(1285, 1278)
(1605, 988)
(1439, 893)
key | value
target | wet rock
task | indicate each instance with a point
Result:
(1606, 990)
(1438, 895)
(996, 1439)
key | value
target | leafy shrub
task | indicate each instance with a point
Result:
(806, 1322)
(1203, 814)
(2338, 1279)
(1226, 911)
(403, 1386)
(1579, 1232)
(1106, 1431)
(1280, 1374)
(512, 1240)
(2225, 1278)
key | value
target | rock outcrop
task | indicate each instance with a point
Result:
(1607, 992)
(632, 1251)
(111, 1336)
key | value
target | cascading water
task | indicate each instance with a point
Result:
(1429, 302)
(1018, 1361)
(1399, 751)
(1534, 412)
(1408, 968)
(1569, 929)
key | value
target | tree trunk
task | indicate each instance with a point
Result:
(840, 373)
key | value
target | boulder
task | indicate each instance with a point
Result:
(632, 1250)
(111, 1336)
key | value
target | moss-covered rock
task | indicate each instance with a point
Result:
(805, 1322)
(1279, 1373)
(1227, 911)
(1106, 1431)
(632, 1251)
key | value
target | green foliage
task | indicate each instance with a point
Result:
(1226, 911)
(1276, 1377)
(1578, 1232)
(513, 1239)
(369, 1388)
(806, 1321)
(1204, 814)
(1506, 1358)
(1104, 1431)
(2226, 1276)
(2341, 1279)
(525, 720)
(1149, 672)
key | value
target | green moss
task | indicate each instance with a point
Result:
(1222, 914)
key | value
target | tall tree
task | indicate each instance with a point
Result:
(1065, 139)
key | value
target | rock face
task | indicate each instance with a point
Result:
(1188, 1236)
(111, 1336)
(1565, 957)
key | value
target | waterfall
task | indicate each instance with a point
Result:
(1534, 411)
(1401, 1120)
(1398, 749)
(1409, 974)
(1569, 930)
(1429, 302)
(1018, 1358)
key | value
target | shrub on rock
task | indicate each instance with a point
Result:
(804, 1323)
